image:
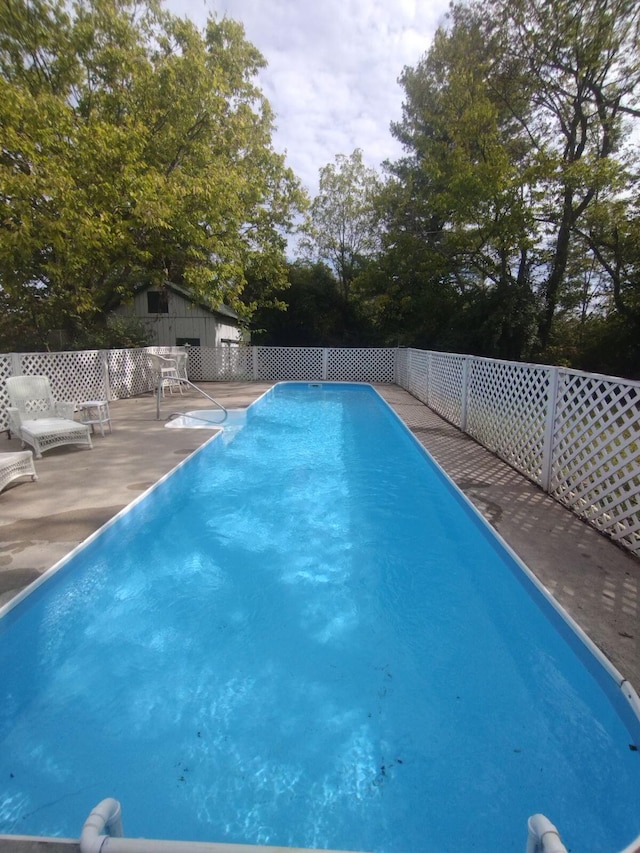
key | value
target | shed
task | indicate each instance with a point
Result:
(175, 318)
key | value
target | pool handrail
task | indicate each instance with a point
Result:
(191, 385)
(102, 833)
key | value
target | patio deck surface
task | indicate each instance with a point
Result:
(78, 490)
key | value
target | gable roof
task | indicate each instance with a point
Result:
(185, 293)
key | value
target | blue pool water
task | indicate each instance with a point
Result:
(305, 637)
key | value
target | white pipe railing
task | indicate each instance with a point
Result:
(543, 836)
(102, 833)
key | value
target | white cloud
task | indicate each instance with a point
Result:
(333, 70)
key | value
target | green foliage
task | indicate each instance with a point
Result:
(135, 148)
(312, 312)
(117, 333)
(458, 229)
(513, 209)
(343, 229)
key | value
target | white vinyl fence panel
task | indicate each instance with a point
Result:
(276, 364)
(446, 386)
(595, 468)
(220, 364)
(360, 365)
(507, 407)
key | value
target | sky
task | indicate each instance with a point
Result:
(333, 69)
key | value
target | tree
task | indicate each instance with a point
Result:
(583, 61)
(457, 207)
(310, 313)
(135, 148)
(343, 229)
(513, 127)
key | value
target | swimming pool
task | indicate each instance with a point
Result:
(306, 637)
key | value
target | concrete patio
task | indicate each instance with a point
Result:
(78, 490)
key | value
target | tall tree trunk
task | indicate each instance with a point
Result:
(556, 276)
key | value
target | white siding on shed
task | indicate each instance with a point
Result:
(183, 320)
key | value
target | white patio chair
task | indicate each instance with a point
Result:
(180, 355)
(165, 372)
(14, 465)
(37, 419)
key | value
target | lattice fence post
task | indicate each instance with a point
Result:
(325, 364)
(255, 364)
(104, 356)
(426, 379)
(547, 450)
(16, 364)
(466, 375)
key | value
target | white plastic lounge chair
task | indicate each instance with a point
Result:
(14, 465)
(165, 372)
(36, 419)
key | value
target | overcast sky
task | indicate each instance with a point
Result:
(333, 67)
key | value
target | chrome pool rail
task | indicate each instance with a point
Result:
(102, 833)
(191, 385)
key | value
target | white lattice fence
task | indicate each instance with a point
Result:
(220, 364)
(596, 453)
(74, 376)
(5, 373)
(579, 439)
(446, 385)
(418, 379)
(507, 407)
(195, 360)
(402, 368)
(129, 372)
(360, 365)
(289, 363)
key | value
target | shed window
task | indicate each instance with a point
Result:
(157, 302)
